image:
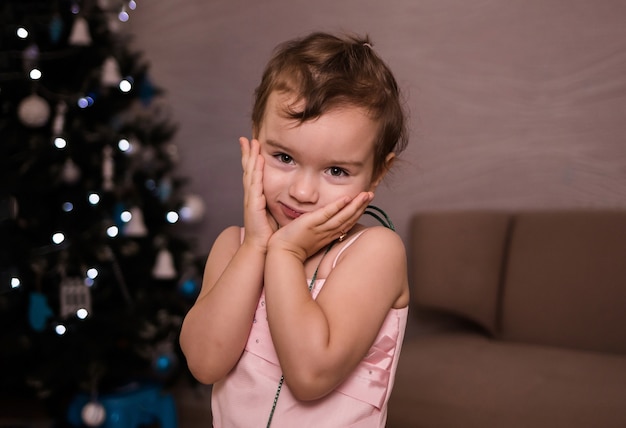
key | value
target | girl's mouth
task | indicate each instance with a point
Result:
(289, 212)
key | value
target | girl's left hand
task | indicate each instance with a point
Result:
(310, 232)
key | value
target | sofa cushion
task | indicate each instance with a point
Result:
(456, 261)
(566, 280)
(467, 380)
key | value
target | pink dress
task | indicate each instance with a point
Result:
(244, 398)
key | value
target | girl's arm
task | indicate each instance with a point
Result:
(319, 342)
(215, 330)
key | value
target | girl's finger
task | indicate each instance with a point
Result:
(345, 211)
(244, 145)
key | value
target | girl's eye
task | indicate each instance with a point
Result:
(284, 158)
(337, 172)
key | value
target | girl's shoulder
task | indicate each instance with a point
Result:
(380, 237)
(375, 255)
(229, 240)
(379, 242)
(232, 233)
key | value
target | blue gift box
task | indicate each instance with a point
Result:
(135, 405)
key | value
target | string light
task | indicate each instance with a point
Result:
(22, 33)
(172, 217)
(82, 313)
(35, 74)
(126, 216)
(126, 84)
(60, 143)
(67, 207)
(60, 329)
(123, 15)
(15, 282)
(92, 273)
(124, 145)
(58, 238)
(84, 102)
(93, 198)
(112, 231)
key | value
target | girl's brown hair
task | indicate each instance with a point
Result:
(323, 72)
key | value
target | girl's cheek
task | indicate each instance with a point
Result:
(271, 180)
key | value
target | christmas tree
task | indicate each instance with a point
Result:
(94, 278)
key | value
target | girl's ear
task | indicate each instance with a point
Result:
(389, 160)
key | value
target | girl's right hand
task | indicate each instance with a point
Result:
(258, 222)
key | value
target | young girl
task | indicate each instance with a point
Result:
(302, 312)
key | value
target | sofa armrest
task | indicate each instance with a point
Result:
(456, 263)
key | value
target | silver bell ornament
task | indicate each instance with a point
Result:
(164, 265)
(111, 75)
(136, 226)
(80, 33)
(70, 173)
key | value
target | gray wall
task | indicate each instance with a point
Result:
(514, 104)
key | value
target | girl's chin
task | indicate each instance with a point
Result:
(280, 219)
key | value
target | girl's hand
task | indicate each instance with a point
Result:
(310, 232)
(258, 223)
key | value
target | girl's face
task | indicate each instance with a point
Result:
(312, 164)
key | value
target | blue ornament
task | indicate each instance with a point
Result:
(165, 188)
(165, 362)
(189, 287)
(146, 91)
(118, 209)
(38, 311)
(56, 29)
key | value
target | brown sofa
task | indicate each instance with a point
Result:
(517, 320)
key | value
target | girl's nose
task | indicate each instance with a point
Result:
(303, 188)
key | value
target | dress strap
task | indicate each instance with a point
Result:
(347, 244)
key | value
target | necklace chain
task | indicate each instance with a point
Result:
(282, 377)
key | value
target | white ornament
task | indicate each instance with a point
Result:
(111, 75)
(80, 33)
(114, 24)
(70, 173)
(192, 210)
(107, 168)
(59, 119)
(93, 414)
(33, 111)
(172, 151)
(164, 265)
(136, 226)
